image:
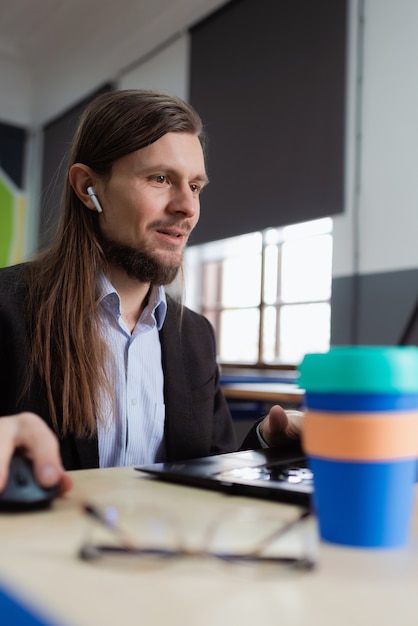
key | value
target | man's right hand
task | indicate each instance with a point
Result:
(29, 434)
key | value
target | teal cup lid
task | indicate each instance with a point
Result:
(361, 369)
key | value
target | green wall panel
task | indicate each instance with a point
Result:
(6, 221)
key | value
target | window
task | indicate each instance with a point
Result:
(267, 294)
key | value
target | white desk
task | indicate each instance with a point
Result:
(349, 587)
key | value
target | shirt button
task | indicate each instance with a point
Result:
(134, 401)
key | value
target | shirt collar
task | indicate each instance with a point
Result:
(159, 308)
(110, 299)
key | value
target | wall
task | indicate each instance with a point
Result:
(166, 70)
(376, 258)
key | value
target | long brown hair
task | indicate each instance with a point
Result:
(67, 348)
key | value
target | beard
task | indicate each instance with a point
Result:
(140, 264)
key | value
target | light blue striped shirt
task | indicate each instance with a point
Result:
(132, 431)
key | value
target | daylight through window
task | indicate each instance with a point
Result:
(267, 294)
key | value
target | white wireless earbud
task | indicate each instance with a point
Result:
(92, 194)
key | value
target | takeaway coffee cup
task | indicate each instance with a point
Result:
(360, 436)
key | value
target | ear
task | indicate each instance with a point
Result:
(80, 177)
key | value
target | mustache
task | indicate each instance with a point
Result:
(183, 225)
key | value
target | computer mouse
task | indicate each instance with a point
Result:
(22, 492)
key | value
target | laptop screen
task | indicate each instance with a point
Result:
(409, 335)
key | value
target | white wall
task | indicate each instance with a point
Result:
(167, 70)
(389, 203)
(386, 224)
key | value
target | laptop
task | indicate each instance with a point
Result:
(257, 473)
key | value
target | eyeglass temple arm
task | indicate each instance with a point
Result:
(95, 513)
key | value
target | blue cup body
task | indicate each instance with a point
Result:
(364, 504)
(364, 402)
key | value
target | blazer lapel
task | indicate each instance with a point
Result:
(177, 392)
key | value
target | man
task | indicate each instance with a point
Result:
(98, 366)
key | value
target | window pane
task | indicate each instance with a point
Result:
(304, 328)
(306, 269)
(241, 280)
(239, 336)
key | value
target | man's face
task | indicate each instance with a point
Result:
(150, 206)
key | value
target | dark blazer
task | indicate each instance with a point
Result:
(197, 422)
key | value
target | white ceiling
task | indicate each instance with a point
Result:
(55, 42)
(32, 30)
(25, 28)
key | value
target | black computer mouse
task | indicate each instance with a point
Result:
(22, 492)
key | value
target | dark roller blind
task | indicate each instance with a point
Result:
(268, 78)
(12, 152)
(57, 137)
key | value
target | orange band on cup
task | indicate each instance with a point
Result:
(361, 436)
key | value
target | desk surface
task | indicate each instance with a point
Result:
(349, 586)
(264, 392)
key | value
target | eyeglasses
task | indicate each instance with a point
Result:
(242, 536)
